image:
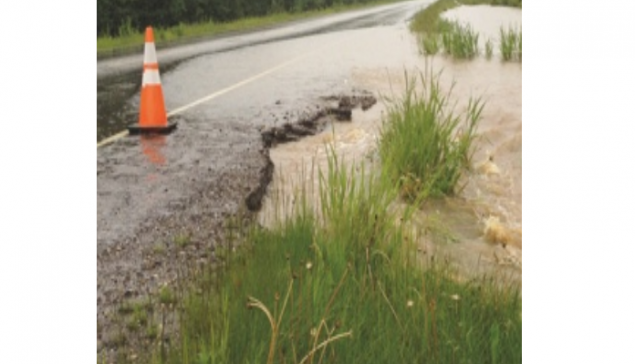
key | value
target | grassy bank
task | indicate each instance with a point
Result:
(130, 40)
(350, 288)
(347, 281)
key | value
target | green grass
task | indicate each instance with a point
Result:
(510, 3)
(427, 24)
(130, 40)
(152, 331)
(511, 44)
(424, 145)
(167, 296)
(459, 41)
(182, 241)
(159, 249)
(348, 288)
(430, 44)
(426, 21)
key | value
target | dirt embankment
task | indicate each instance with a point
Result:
(338, 107)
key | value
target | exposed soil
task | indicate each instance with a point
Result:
(162, 213)
(340, 107)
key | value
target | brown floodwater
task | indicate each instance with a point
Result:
(487, 20)
(479, 229)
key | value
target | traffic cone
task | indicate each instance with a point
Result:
(152, 116)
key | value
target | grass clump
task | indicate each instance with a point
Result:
(166, 296)
(426, 24)
(430, 44)
(459, 40)
(511, 44)
(182, 241)
(152, 331)
(159, 249)
(424, 146)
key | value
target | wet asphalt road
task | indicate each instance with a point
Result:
(213, 133)
(150, 190)
(208, 66)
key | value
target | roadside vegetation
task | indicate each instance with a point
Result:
(511, 44)
(345, 280)
(424, 145)
(511, 3)
(460, 41)
(120, 29)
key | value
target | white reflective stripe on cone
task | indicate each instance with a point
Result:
(150, 54)
(151, 77)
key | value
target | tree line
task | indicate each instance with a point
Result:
(119, 16)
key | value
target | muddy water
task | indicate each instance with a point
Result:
(486, 20)
(480, 229)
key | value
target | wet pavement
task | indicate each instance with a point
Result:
(155, 193)
(376, 16)
(203, 68)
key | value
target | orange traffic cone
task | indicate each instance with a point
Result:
(152, 115)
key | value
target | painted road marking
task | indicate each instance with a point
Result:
(223, 91)
(112, 138)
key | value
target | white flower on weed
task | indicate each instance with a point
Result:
(410, 303)
(455, 297)
(309, 265)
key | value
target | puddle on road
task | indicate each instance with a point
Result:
(480, 230)
(152, 146)
(114, 113)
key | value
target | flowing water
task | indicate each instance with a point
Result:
(480, 229)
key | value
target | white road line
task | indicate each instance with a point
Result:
(237, 85)
(112, 138)
(223, 91)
